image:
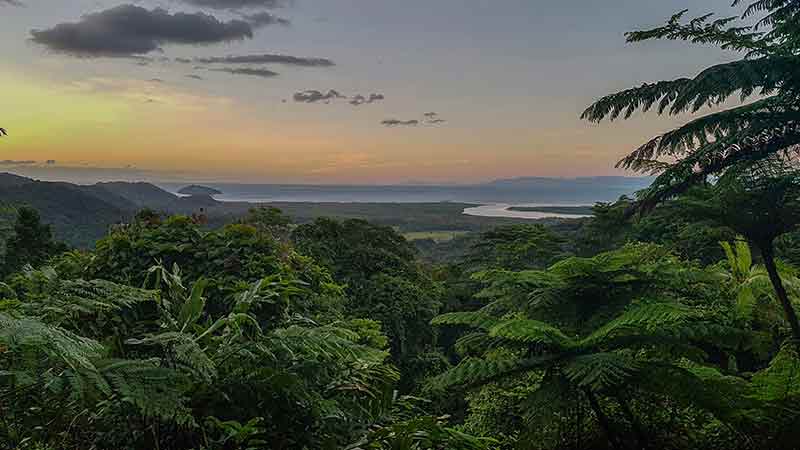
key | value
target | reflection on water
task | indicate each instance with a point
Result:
(501, 210)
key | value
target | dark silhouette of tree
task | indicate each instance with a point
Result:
(32, 242)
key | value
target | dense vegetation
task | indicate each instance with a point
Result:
(667, 320)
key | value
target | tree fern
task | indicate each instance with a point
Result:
(601, 371)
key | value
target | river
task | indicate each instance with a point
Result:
(501, 210)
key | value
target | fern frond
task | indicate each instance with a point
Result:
(781, 380)
(531, 332)
(626, 103)
(471, 319)
(474, 371)
(601, 371)
(652, 320)
(154, 391)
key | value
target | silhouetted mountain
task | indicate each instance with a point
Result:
(144, 195)
(199, 190)
(78, 215)
(9, 179)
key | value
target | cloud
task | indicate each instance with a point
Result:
(314, 96)
(400, 123)
(267, 59)
(430, 118)
(263, 73)
(263, 19)
(195, 77)
(359, 99)
(11, 3)
(183, 60)
(156, 80)
(129, 30)
(239, 4)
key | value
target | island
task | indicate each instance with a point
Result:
(199, 190)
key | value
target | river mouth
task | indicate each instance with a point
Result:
(503, 210)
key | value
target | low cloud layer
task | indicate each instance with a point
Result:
(263, 73)
(10, 2)
(432, 118)
(238, 4)
(314, 96)
(129, 30)
(267, 59)
(429, 118)
(400, 123)
(359, 99)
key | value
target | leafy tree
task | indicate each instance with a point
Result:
(355, 250)
(266, 218)
(229, 259)
(673, 224)
(32, 242)
(516, 247)
(384, 281)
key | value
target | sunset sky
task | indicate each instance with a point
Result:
(206, 89)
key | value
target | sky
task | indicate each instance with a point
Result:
(328, 91)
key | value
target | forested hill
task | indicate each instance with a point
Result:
(81, 214)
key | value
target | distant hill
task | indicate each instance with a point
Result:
(10, 180)
(607, 182)
(199, 190)
(79, 214)
(144, 195)
(82, 214)
(581, 190)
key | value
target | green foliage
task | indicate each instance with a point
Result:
(516, 247)
(628, 321)
(385, 282)
(674, 224)
(32, 242)
(229, 259)
(423, 433)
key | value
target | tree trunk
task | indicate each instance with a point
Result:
(768, 253)
(602, 419)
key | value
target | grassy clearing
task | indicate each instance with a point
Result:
(437, 236)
